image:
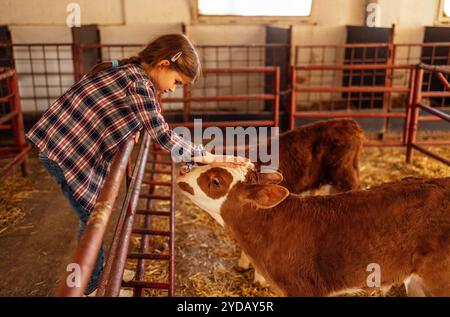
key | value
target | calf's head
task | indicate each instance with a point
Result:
(210, 185)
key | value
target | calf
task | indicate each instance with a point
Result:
(319, 245)
(321, 153)
(317, 154)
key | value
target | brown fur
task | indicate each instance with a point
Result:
(205, 182)
(320, 153)
(314, 246)
(186, 187)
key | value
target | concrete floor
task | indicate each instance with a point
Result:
(35, 252)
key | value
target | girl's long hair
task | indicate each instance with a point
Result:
(164, 47)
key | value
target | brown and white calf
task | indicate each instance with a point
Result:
(320, 245)
(316, 154)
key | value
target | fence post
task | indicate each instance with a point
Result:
(414, 121)
(293, 98)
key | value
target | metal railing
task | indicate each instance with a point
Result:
(91, 240)
(352, 108)
(119, 250)
(11, 120)
(442, 73)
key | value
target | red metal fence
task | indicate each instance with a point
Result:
(150, 161)
(374, 53)
(15, 152)
(303, 106)
(45, 72)
(443, 75)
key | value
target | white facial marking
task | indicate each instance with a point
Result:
(202, 199)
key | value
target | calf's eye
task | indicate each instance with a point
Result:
(216, 181)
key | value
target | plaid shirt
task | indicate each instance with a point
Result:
(82, 129)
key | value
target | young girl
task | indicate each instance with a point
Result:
(79, 134)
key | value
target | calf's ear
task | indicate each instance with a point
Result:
(270, 177)
(265, 196)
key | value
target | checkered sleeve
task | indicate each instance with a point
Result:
(141, 98)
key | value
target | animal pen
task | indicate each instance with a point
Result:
(11, 122)
(376, 82)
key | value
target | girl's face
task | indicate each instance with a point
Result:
(166, 79)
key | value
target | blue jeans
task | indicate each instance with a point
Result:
(57, 173)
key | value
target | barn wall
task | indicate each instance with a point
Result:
(139, 21)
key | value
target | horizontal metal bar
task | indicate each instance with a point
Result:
(268, 45)
(148, 256)
(221, 98)
(34, 44)
(156, 183)
(9, 150)
(433, 142)
(353, 45)
(367, 89)
(351, 67)
(316, 114)
(151, 232)
(429, 44)
(222, 124)
(6, 73)
(220, 70)
(155, 197)
(19, 158)
(144, 284)
(435, 94)
(108, 45)
(7, 98)
(9, 116)
(153, 213)
(375, 143)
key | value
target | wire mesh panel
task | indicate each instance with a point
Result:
(430, 54)
(45, 72)
(375, 53)
(238, 94)
(348, 54)
(318, 94)
(220, 56)
(323, 98)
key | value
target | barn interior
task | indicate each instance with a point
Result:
(278, 64)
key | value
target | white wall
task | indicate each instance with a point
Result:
(136, 20)
(139, 21)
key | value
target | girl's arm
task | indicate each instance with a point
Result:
(141, 98)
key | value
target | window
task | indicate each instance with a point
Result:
(447, 8)
(443, 17)
(300, 8)
(253, 11)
